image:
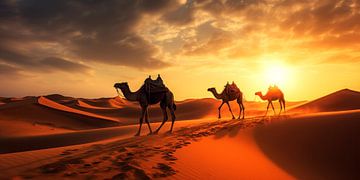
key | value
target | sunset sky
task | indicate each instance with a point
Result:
(81, 48)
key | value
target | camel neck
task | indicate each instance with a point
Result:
(216, 94)
(263, 97)
(131, 96)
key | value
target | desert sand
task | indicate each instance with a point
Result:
(64, 137)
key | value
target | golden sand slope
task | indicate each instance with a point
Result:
(341, 100)
(319, 146)
(314, 146)
(56, 113)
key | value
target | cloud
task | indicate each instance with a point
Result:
(62, 65)
(214, 45)
(117, 32)
(12, 57)
(131, 50)
(27, 63)
(90, 31)
(6, 70)
(341, 58)
(182, 15)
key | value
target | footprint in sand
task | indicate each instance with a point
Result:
(120, 176)
(87, 165)
(70, 174)
(122, 149)
(135, 173)
(68, 152)
(105, 157)
(165, 170)
(169, 158)
(96, 162)
(59, 166)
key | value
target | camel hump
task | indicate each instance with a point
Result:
(154, 86)
(275, 91)
(231, 89)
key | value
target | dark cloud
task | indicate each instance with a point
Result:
(182, 15)
(8, 70)
(48, 64)
(12, 57)
(155, 6)
(108, 31)
(131, 50)
(99, 31)
(62, 64)
(228, 7)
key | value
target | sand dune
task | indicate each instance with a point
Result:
(26, 143)
(83, 104)
(310, 146)
(56, 113)
(102, 103)
(319, 146)
(30, 112)
(344, 99)
(52, 104)
(132, 158)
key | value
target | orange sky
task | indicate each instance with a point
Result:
(309, 48)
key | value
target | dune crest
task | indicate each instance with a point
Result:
(46, 102)
(82, 103)
(341, 100)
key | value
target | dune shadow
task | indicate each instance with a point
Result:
(314, 147)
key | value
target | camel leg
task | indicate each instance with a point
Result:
(147, 120)
(173, 117)
(141, 120)
(283, 101)
(272, 106)
(239, 102)
(233, 117)
(163, 109)
(280, 107)
(220, 109)
(267, 108)
(243, 110)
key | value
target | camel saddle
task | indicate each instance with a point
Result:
(231, 89)
(154, 86)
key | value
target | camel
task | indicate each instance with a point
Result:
(273, 94)
(226, 97)
(166, 99)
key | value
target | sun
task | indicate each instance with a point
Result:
(277, 73)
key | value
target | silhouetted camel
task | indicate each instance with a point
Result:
(273, 94)
(166, 99)
(227, 96)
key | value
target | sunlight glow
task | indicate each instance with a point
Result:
(277, 73)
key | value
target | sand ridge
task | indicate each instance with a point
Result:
(138, 157)
(341, 100)
(92, 138)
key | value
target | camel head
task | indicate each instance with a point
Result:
(258, 93)
(121, 85)
(211, 89)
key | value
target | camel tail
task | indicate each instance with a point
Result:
(174, 106)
